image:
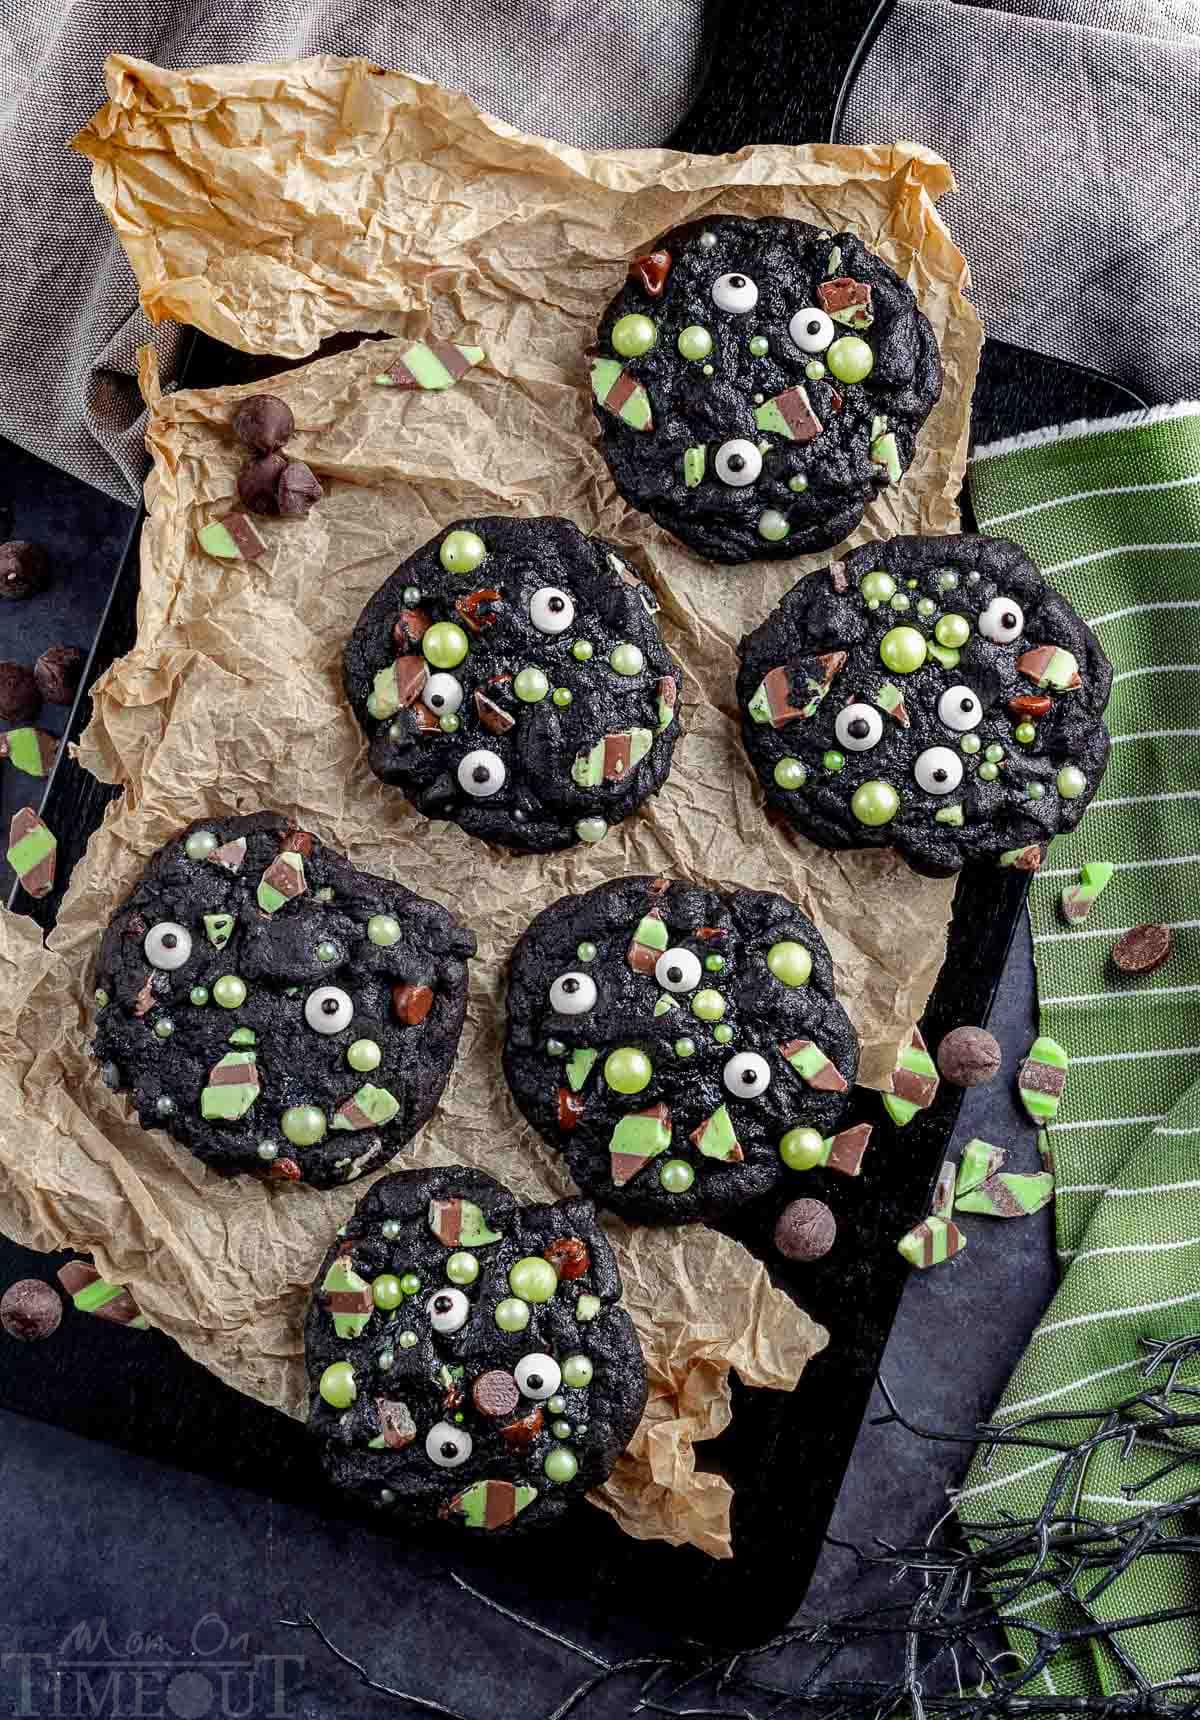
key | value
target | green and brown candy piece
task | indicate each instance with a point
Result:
(890, 699)
(932, 1241)
(791, 415)
(846, 301)
(347, 1298)
(232, 1088)
(1041, 1079)
(92, 1294)
(979, 1161)
(812, 1065)
(772, 700)
(431, 365)
(636, 1140)
(32, 851)
(1026, 859)
(234, 537)
(1050, 666)
(460, 1224)
(612, 757)
(914, 1082)
(396, 1425)
(619, 393)
(650, 939)
(31, 750)
(1076, 900)
(370, 1108)
(231, 855)
(1009, 1195)
(491, 1504)
(218, 929)
(716, 1138)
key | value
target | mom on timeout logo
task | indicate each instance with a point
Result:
(94, 1674)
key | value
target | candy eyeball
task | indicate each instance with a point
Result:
(538, 1376)
(678, 970)
(573, 994)
(1002, 621)
(738, 462)
(959, 708)
(858, 728)
(481, 774)
(167, 945)
(811, 329)
(735, 293)
(443, 693)
(328, 1009)
(551, 610)
(747, 1075)
(938, 770)
(447, 1446)
(448, 1311)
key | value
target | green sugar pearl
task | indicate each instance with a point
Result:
(229, 991)
(714, 963)
(903, 650)
(444, 645)
(448, 724)
(947, 579)
(412, 594)
(591, 830)
(760, 346)
(952, 631)
(900, 601)
(385, 1360)
(833, 759)
(708, 1006)
(164, 1028)
(875, 803)
(814, 370)
(970, 744)
(994, 753)
(512, 1315)
(557, 1405)
(789, 773)
(790, 963)
(1025, 733)
(337, 1385)
(327, 952)
(723, 1033)
(850, 359)
(798, 484)
(628, 1070)
(585, 952)
(303, 1125)
(199, 995)
(267, 1150)
(877, 586)
(577, 1372)
(383, 929)
(560, 1465)
(410, 1283)
(626, 659)
(533, 1279)
(386, 1292)
(708, 370)
(677, 1177)
(364, 1055)
(773, 526)
(633, 335)
(200, 844)
(1035, 790)
(531, 686)
(583, 650)
(685, 1047)
(407, 1340)
(801, 1149)
(1070, 782)
(462, 1268)
(391, 1229)
(694, 342)
(561, 1429)
(461, 552)
(562, 697)
(926, 606)
(988, 772)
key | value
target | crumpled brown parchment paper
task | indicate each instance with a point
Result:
(274, 205)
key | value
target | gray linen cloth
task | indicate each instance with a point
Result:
(597, 73)
(1073, 129)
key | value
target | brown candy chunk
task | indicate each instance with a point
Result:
(846, 1150)
(494, 717)
(969, 1056)
(145, 998)
(24, 570)
(298, 490)
(568, 1255)
(1031, 705)
(1144, 949)
(570, 1108)
(258, 483)
(806, 1230)
(519, 1434)
(30, 1310)
(470, 608)
(411, 1003)
(410, 627)
(264, 423)
(57, 672)
(495, 1393)
(20, 700)
(652, 271)
(396, 1424)
(285, 1170)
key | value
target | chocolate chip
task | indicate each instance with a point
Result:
(20, 700)
(299, 489)
(495, 1393)
(264, 422)
(57, 673)
(258, 483)
(969, 1056)
(806, 1230)
(30, 1309)
(24, 569)
(1142, 950)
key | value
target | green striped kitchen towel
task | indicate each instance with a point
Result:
(1111, 513)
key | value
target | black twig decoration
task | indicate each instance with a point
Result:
(953, 1593)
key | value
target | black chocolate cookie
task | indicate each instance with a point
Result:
(929, 694)
(666, 1038)
(274, 1010)
(469, 1358)
(509, 677)
(758, 382)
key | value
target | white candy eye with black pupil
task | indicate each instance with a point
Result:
(573, 994)
(1002, 621)
(443, 693)
(447, 1445)
(551, 610)
(481, 774)
(736, 293)
(858, 728)
(328, 1009)
(738, 462)
(747, 1075)
(677, 970)
(448, 1310)
(938, 770)
(811, 329)
(959, 708)
(167, 945)
(538, 1376)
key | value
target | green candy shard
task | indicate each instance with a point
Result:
(1041, 1079)
(760, 705)
(952, 814)
(879, 425)
(460, 1224)
(33, 848)
(491, 1504)
(834, 266)
(243, 1036)
(946, 655)
(636, 1140)
(914, 1082)
(384, 698)
(371, 1107)
(980, 1160)
(612, 757)
(232, 1088)
(790, 415)
(1009, 1195)
(217, 540)
(431, 365)
(1050, 666)
(31, 750)
(587, 1308)
(579, 1066)
(943, 1191)
(283, 879)
(218, 928)
(348, 1298)
(891, 700)
(885, 453)
(931, 1242)
(694, 462)
(665, 1004)
(716, 1138)
(1076, 900)
(652, 931)
(617, 391)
